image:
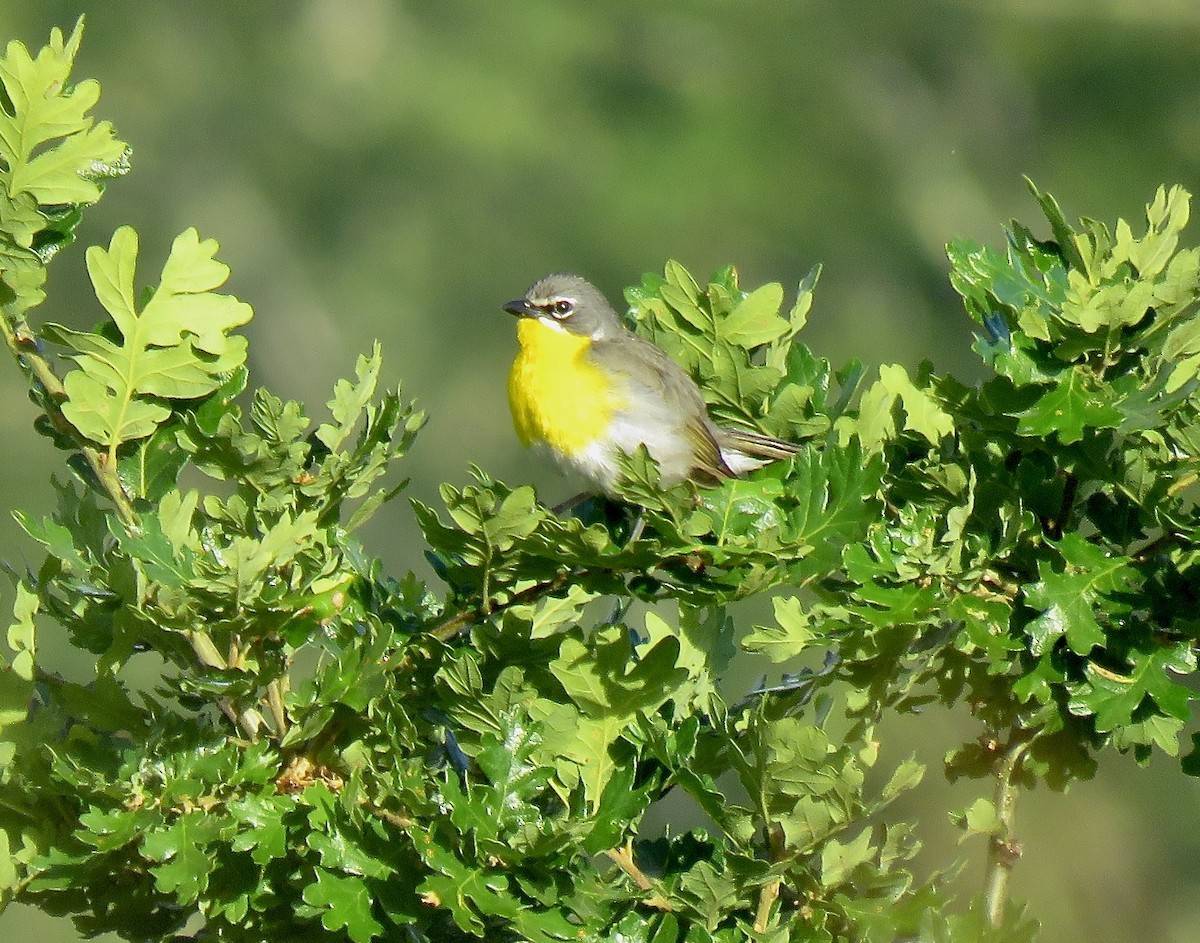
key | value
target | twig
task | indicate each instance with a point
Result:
(451, 627)
(766, 900)
(24, 349)
(392, 818)
(1003, 849)
(275, 703)
(623, 858)
(770, 891)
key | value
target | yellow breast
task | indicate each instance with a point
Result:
(556, 395)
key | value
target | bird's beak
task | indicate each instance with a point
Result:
(521, 308)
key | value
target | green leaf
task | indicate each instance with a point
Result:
(1075, 248)
(177, 347)
(876, 424)
(351, 399)
(710, 892)
(51, 152)
(922, 413)
(839, 859)
(185, 859)
(466, 891)
(908, 775)
(598, 677)
(1074, 404)
(1068, 600)
(619, 810)
(17, 675)
(756, 319)
(979, 818)
(9, 875)
(788, 638)
(1115, 696)
(265, 834)
(345, 903)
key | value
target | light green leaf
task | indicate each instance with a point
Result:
(21, 640)
(839, 859)
(47, 108)
(756, 318)
(787, 639)
(979, 818)
(350, 399)
(604, 681)
(907, 776)
(9, 878)
(177, 347)
(922, 413)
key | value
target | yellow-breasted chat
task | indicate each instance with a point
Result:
(584, 388)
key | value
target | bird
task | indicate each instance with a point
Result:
(585, 388)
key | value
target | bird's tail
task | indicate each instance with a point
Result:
(743, 450)
(758, 444)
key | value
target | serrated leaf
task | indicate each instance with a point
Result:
(177, 347)
(710, 891)
(51, 152)
(605, 683)
(756, 319)
(1068, 599)
(350, 399)
(1073, 405)
(788, 638)
(464, 890)
(265, 835)
(1113, 697)
(922, 413)
(185, 860)
(345, 904)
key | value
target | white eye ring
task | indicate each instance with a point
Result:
(562, 308)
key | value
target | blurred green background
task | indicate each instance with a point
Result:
(397, 170)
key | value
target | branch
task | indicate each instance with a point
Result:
(466, 618)
(623, 858)
(24, 348)
(26, 351)
(770, 891)
(1003, 849)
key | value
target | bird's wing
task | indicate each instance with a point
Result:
(756, 443)
(648, 372)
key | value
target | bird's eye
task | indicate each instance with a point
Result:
(561, 308)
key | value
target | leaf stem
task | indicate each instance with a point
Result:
(770, 891)
(1003, 848)
(622, 857)
(275, 692)
(465, 618)
(26, 351)
(24, 348)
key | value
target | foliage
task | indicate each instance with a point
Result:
(333, 752)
